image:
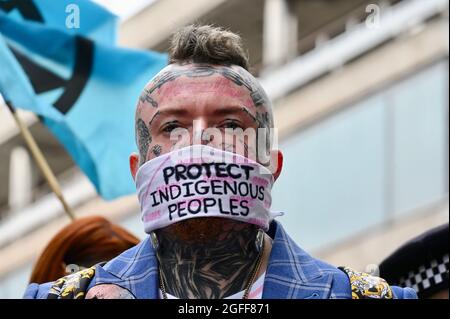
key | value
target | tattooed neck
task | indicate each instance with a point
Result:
(207, 258)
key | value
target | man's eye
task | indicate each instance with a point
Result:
(169, 127)
(231, 124)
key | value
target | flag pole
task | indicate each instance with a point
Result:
(41, 161)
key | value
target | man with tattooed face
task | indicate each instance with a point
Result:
(235, 250)
(203, 257)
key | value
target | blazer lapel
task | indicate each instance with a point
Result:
(292, 273)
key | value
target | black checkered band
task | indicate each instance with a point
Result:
(432, 274)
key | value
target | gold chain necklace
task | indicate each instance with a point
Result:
(250, 283)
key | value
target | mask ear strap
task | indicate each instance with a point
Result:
(274, 214)
(259, 240)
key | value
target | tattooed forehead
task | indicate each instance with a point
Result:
(222, 85)
(236, 75)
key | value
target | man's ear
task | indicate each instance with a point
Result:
(276, 163)
(134, 164)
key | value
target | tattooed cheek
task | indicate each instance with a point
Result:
(156, 150)
(144, 137)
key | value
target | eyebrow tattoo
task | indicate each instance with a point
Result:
(255, 119)
(257, 94)
(170, 112)
(153, 118)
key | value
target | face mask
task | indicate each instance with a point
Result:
(201, 181)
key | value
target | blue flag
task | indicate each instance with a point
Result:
(82, 17)
(85, 92)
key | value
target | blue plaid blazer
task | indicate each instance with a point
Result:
(291, 274)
